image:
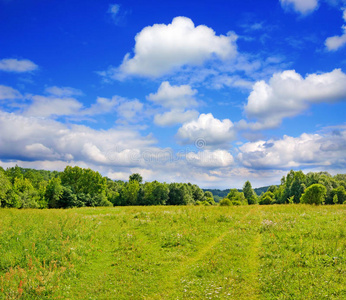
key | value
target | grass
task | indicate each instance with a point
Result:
(247, 252)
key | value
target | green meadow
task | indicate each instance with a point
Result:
(174, 252)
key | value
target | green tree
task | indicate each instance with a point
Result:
(14, 172)
(5, 187)
(314, 194)
(236, 197)
(208, 194)
(137, 177)
(68, 198)
(113, 191)
(340, 192)
(197, 193)
(84, 181)
(335, 199)
(267, 198)
(129, 193)
(27, 196)
(297, 186)
(54, 192)
(249, 193)
(154, 193)
(179, 194)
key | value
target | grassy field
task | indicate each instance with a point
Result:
(248, 252)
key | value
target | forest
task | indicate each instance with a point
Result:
(78, 187)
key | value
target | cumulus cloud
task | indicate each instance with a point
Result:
(336, 42)
(175, 116)
(210, 159)
(174, 96)
(60, 103)
(28, 138)
(206, 131)
(289, 152)
(162, 48)
(129, 109)
(288, 94)
(53, 106)
(8, 93)
(17, 66)
(301, 6)
(177, 98)
(103, 105)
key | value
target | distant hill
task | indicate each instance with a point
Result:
(223, 193)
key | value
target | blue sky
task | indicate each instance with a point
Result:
(208, 92)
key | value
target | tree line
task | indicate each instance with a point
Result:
(79, 187)
(295, 187)
(310, 188)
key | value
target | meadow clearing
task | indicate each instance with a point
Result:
(181, 252)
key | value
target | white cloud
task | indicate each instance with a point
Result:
(59, 103)
(175, 116)
(63, 91)
(17, 66)
(103, 105)
(53, 106)
(27, 138)
(8, 93)
(161, 48)
(210, 159)
(336, 42)
(129, 109)
(206, 131)
(289, 152)
(301, 6)
(288, 94)
(114, 9)
(174, 96)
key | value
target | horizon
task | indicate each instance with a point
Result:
(212, 93)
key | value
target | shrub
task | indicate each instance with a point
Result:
(314, 194)
(225, 202)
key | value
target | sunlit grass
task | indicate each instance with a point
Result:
(252, 252)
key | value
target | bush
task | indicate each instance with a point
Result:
(236, 203)
(266, 200)
(314, 194)
(225, 202)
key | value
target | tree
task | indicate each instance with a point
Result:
(314, 194)
(5, 187)
(208, 194)
(112, 191)
(84, 181)
(340, 193)
(297, 186)
(137, 177)
(197, 193)
(54, 191)
(267, 198)
(179, 194)
(249, 193)
(129, 193)
(68, 198)
(236, 197)
(335, 199)
(12, 173)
